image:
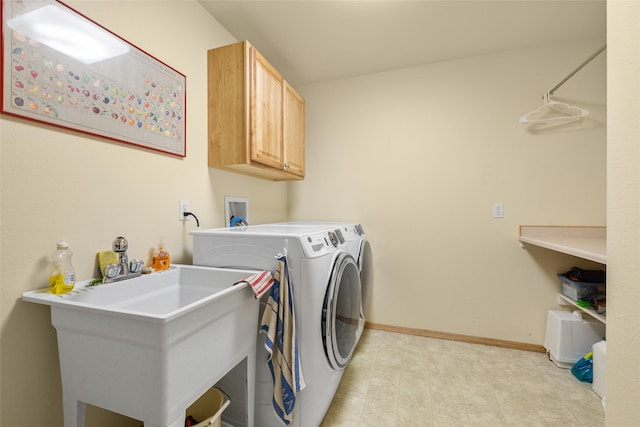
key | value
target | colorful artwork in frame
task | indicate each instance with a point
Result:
(61, 68)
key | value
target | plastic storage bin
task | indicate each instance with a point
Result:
(213, 400)
(600, 368)
(569, 337)
(581, 290)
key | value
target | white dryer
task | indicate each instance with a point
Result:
(360, 249)
(325, 280)
(356, 243)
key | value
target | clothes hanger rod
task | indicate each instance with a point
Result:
(578, 68)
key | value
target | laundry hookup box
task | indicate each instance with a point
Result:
(569, 336)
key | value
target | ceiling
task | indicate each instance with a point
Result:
(312, 41)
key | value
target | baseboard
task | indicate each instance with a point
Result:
(456, 337)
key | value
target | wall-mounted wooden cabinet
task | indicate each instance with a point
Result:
(256, 119)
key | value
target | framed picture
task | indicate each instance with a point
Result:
(63, 69)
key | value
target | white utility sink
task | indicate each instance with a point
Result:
(148, 347)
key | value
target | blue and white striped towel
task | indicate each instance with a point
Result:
(278, 322)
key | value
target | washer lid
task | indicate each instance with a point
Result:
(315, 240)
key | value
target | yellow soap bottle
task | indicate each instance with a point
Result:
(63, 277)
(161, 259)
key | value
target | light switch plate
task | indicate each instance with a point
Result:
(498, 210)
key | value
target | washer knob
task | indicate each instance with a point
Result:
(333, 239)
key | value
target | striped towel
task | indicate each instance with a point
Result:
(278, 322)
(259, 282)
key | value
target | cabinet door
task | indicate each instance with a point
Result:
(266, 113)
(293, 131)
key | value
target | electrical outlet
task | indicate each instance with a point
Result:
(183, 206)
(498, 210)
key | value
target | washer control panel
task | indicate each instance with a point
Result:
(350, 233)
(321, 243)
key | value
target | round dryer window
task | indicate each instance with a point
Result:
(341, 312)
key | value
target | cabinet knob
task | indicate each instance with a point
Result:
(286, 165)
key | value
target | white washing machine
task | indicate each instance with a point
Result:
(325, 280)
(358, 246)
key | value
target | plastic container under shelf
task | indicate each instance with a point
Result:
(213, 400)
(569, 337)
(581, 290)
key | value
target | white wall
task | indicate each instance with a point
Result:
(58, 184)
(623, 213)
(419, 155)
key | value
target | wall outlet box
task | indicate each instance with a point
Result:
(236, 209)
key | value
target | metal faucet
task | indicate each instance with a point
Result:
(120, 246)
(127, 270)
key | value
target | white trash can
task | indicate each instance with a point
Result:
(569, 336)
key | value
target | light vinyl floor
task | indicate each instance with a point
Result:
(404, 380)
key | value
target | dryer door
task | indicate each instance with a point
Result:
(341, 312)
(365, 262)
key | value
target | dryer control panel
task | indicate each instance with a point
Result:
(321, 243)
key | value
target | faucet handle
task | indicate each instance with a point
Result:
(120, 244)
(112, 270)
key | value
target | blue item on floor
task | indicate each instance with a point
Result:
(583, 369)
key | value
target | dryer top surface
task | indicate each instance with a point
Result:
(314, 240)
(288, 230)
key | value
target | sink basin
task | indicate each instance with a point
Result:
(158, 297)
(148, 347)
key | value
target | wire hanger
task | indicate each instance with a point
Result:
(558, 112)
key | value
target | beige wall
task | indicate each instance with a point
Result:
(420, 155)
(64, 185)
(623, 213)
(441, 141)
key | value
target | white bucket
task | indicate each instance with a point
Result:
(213, 400)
